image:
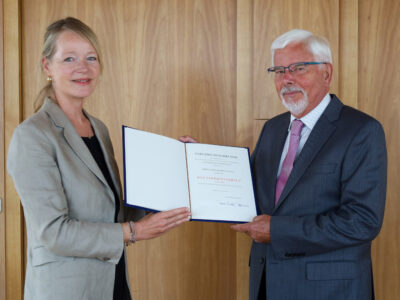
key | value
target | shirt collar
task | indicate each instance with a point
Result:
(312, 117)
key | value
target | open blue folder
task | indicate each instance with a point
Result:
(161, 173)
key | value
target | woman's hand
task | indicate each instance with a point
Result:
(155, 224)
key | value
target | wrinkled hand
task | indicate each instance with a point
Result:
(187, 139)
(155, 224)
(258, 229)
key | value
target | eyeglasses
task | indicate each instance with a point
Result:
(296, 69)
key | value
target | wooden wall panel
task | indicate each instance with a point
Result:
(2, 171)
(170, 69)
(348, 53)
(12, 108)
(273, 18)
(379, 80)
(244, 126)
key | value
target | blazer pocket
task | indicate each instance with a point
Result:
(41, 256)
(338, 270)
(323, 169)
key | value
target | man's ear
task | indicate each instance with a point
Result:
(328, 73)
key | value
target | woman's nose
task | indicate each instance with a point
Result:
(82, 65)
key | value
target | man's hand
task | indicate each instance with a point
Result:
(187, 139)
(258, 229)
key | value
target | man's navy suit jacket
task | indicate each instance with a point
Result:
(330, 210)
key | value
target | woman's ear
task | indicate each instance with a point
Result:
(46, 66)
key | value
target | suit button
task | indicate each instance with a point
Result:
(262, 260)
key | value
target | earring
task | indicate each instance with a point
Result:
(49, 79)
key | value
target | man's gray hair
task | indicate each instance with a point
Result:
(318, 45)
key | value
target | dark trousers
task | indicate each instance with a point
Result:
(262, 292)
(121, 290)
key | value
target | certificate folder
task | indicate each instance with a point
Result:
(161, 173)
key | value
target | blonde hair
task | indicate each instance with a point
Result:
(49, 48)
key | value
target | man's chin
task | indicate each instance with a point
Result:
(295, 107)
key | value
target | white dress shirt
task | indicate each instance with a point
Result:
(309, 121)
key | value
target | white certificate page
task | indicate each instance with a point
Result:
(155, 171)
(220, 183)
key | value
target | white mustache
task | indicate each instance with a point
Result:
(288, 89)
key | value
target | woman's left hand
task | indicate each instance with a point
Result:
(156, 224)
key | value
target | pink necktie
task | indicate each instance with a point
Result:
(287, 165)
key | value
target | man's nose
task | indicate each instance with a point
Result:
(288, 77)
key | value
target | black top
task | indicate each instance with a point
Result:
(95, 149)
(120, 286)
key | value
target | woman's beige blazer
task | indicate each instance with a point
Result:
(73, 242)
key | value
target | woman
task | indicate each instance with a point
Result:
(62, 163)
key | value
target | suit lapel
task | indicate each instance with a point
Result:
(265, 161)
(321, 132)
(71, 136)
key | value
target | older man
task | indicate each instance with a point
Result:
(320, 182)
